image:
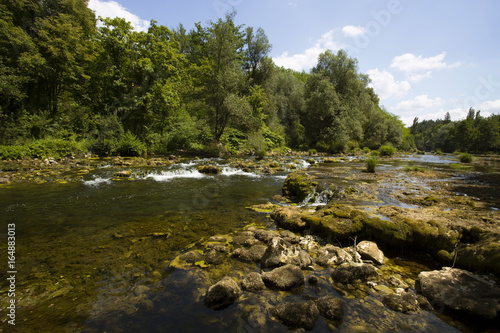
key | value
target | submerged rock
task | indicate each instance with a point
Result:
(330, 307)
(460, 290)
(402, 302)
(253, 282)
(280, 252)
(370, 251)
(297, 314)
(349, 273)
(284, 278)
(222, 294)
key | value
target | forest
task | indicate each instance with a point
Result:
(71, 82)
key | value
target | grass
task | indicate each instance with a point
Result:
(371, 164)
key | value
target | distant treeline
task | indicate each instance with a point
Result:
(69, 81)
(475, 134)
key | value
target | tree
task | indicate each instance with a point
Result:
(258, 47)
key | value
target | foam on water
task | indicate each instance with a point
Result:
(97, 181)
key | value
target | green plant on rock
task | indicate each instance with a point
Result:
(371, 163)
(466, 158)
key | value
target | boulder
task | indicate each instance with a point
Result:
(289, 218)
(222, 294)
(349, 273)
(254, 253)
(123, 174)
(330, 307)
(297, 314)
(253, 282)
(192, 257)
(264, 235)
(280, 252)
(402, 302)
(370, 251)
(284, 278)
(332, 255)
(214, 257)
(209, 169)
(460, 290)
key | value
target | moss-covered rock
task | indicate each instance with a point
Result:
(209, 169)
(298, 185)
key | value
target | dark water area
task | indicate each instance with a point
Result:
(94, 255)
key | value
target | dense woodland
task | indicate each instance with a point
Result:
(474, 134)
(72, 82)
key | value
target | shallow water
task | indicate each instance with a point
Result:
(93, 255)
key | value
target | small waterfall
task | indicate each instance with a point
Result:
(316, 198)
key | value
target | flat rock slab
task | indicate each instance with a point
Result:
(460, 290)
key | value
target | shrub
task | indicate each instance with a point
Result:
(261, 154)
(375, 153)
(371, 163)
(12, 152)
(366, 150)
(313, 151)
(130, 145)
(387, 150)
(466, 158)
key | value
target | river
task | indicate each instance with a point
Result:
(90, 253)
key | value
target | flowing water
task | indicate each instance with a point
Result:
(90, 253)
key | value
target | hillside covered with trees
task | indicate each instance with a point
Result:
(71, 82)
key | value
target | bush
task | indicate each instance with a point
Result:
(130, 145)
(366, 150)
(261, 154)
(466, 158)
(13, 152)
(375, 153)
(371, 163)
(387, 150)
(313, 152)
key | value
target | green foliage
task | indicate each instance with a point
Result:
(473, 134)
(387, 150)
(466, 158)
(371, 163)
(113, 90)
(313, 152)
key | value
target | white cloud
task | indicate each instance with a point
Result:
(419, 77)
(411, 63)
(353, 31)
(385, 85)
(491, 106)
(309, 58)
(113, 9)
(419, 103)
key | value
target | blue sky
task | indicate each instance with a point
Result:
(425, 58)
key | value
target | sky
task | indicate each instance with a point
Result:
(424, 57)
